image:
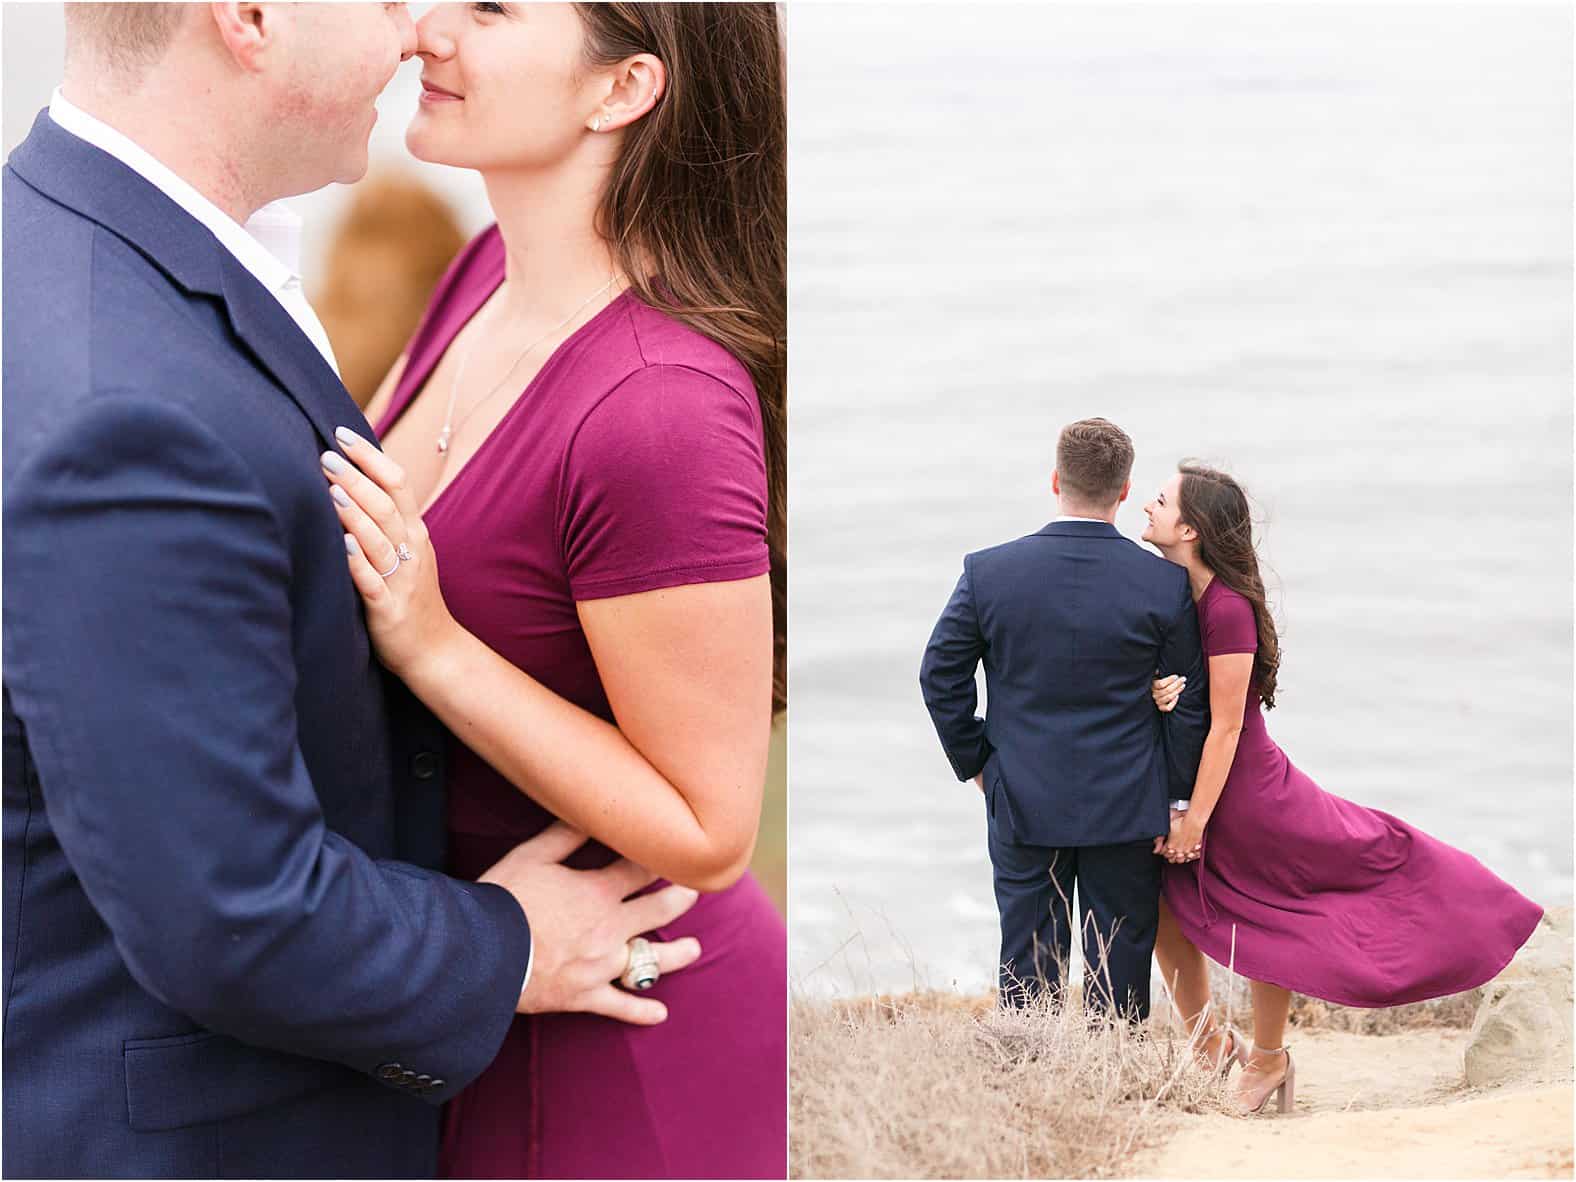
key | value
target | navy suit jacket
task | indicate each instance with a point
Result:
(1072, 624)
(213, 965)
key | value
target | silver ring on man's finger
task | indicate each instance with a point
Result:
(641, 972)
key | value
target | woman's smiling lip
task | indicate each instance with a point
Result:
(432, 93)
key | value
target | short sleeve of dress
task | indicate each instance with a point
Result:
(1228, 625)
(664, 485)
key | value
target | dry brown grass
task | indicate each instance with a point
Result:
(941, 1085)
(934, 1085)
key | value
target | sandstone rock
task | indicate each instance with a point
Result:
(1522, 1031)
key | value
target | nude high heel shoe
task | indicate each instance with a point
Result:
(1235, 1051)
(1237, 1054)
(1285, 1092)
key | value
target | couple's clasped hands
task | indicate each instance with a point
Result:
(1185, 841)
(582, 921)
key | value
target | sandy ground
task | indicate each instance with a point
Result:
(1397, 1114)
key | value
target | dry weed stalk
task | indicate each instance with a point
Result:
(935, 1085)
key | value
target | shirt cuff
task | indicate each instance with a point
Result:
(1179, 806)
(530, 959)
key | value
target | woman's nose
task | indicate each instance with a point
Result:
(434, 36)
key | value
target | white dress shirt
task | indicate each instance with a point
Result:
(269, 245)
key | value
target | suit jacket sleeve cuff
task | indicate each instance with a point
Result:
(973, 765)
(512, 930)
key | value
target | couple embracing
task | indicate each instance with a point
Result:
(294, 821)
(1124, 752)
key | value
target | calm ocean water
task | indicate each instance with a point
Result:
(1329, 248)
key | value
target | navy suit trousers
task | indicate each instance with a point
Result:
(1119, 895)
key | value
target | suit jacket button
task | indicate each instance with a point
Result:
(390, 1071)
(423, 1083)
(406, 1078)
(424, 765)
(438, 1083)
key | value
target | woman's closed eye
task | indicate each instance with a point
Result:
(490, 9)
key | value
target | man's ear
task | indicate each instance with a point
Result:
(1126, 488)
(247, 31)
(1056, 482)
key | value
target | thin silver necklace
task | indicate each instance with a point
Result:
(449, 425)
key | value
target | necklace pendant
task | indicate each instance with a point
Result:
(443, 441)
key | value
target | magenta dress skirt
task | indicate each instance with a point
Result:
(633, 461)
(1321, 896)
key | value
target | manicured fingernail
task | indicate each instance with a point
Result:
(335, 462)
(352, 547)
(663, 1010)
(341, 498)
(347, 437)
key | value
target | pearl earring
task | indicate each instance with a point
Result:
(596, 124)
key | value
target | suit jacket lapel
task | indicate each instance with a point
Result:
(280, 347)
(101, 188)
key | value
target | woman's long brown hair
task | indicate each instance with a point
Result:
(1215, 505)
(697, 208)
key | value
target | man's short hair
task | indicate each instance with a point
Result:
(1094, 458)
(129, 37)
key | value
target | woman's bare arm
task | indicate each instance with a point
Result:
(676, 785)
(1229, 676)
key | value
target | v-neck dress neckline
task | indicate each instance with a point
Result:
(413, 381)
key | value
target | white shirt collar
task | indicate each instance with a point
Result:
(274, 264)
(1095, 520)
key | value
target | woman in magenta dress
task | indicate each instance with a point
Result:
(1297, 889)
(585, 436)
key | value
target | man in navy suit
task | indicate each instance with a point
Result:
(227, 951)
(1075, 762)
